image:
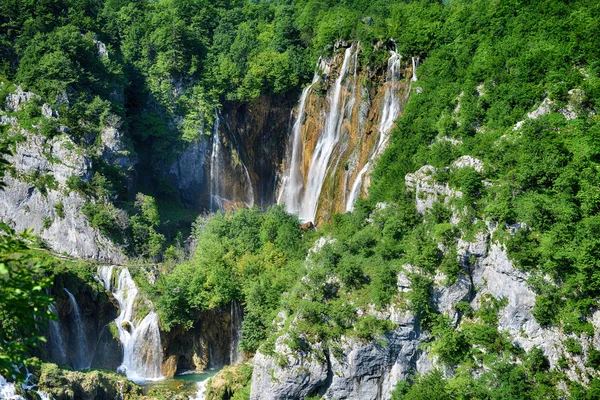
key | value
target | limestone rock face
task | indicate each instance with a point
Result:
(359, 370)
(23, 206)
(190, 174)
(15, 101)
(114, 150)
(38, 195)
(427, 189)
(302, 375)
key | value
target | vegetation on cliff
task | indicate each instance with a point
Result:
(514, 84)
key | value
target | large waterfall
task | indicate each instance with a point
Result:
(389, 113)
(325, 145)
(293, 181)
(142, 358)
(336, 139)
(81, 358)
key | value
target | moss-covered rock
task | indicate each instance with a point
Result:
(232, 382)
(93, 385)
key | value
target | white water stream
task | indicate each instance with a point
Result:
(81, 359)
(215, 168)
(142, 358)
(389, 113)
(325, 144)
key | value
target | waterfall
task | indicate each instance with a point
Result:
(201, 391)
(215, 166)
(105, 274)
(356, 186)
(143, 352)
(58, 349)
(8, 390)
(43, 395)
(325, 145)
(142, 358)
(235, 353)
(391, 104)
(82, 359)
(389, 113)
(415, 64)
(293, 181)
(250, 193)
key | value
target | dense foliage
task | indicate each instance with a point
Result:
(486, 65)
(23, 299)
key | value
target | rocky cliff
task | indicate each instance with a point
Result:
(46, 165)
(370, 369)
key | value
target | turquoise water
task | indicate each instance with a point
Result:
(185, 384)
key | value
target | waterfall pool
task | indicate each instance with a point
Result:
(187, 383)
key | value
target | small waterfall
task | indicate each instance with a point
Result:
(391, 103)
(356, 186)
(8, 390)
(325, 145)
(215, 167)
(143, 352)
(58, 349)
(142, 359)
(389, 113)
(201, 392)
(105, 274)
(43, 395)
(82, 359)
(293, 182)
(415, 64)
(235, 353)
(250, 192)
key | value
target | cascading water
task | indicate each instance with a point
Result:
(215, 167)
(250, 193)
(415, 64)
(142, 358)
(8, 390)
(81, 359)
(356, 187)
(325, 145)
(389, 113)
(105, 275)
(235, 353)
(201, 391)
(293, 181)
(58, 349)
(43, 395)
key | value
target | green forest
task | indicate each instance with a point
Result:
(485, 64)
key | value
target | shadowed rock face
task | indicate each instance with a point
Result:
(252, 138)
(206, 345)
(97, 308)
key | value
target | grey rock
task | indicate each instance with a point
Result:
(15, 101)
(114, 150)
(357, 370)
(23, 206)
(48, 112)
(301, 375)
(427, 189)
(189, 174)
(468, 162)
(445, 298)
